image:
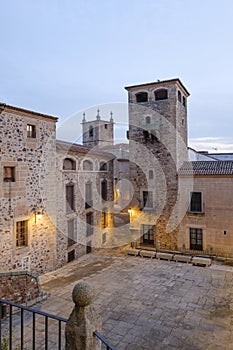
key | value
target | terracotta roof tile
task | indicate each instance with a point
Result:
(207, 168)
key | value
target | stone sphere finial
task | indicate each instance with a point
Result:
(83, 294)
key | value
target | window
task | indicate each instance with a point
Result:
(88, 248)
(105, 126)
(151, 174)
(184, 101)
(91, 132)
(69, 164)
(161, 95)
(103, 166)
(195, 202)
(87, 165)
(179, 96)
(147, 199)
(88, 195)
(9, 174)
(31, 131)
(89, 224)
(22, 233)
(196, 239)
(104, 219)
(70, 197)
(71, 228)
(142, 97)
(104, 190)
(148, 120)
(71, 256)
(147, 234)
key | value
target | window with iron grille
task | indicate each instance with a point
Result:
(9, 174)
(89, 223)
(195, 202)
(196, 239)
(31, 131)
(22, 233)
(72, 235)
(70, 198)
(147, 199)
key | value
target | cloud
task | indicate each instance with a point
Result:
(212, 144)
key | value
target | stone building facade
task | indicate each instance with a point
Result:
(28, 190)
(56, 197)
(157, 148)
(84, 200)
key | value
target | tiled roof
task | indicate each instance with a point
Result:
(74, 147)
(207, 168)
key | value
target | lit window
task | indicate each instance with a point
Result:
(104, 219)
(9, 174)
(31, 131)
(196, 202)
(22, 233)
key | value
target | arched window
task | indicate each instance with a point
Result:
(184, 101)
(103, 166)
(179, 96)
(142, 97)
(161, 94)
(148, 120)
(151, 174)
(91, 131)
(87, 165)
(104, 190)
(69, 164)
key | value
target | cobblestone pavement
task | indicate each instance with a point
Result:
(150, 304)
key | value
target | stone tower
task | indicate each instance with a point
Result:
(157, 146)
(97, 132)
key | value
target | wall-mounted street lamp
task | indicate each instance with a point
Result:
(130, 211)
(38, 214)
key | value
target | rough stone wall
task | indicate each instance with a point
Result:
(160, 146)
(34, 188)
(79, 178)
(216, 221)
(19, 286)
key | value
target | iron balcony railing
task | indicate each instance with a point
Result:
(51, 329)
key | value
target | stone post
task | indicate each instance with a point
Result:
(83, 320)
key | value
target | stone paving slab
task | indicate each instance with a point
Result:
(150, 304)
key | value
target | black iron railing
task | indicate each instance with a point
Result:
(104, 341)
(12, 331)
(13, 335)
